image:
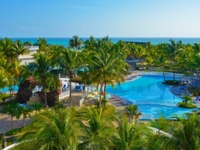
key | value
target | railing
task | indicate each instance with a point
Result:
(160, 73)
(64, 94)
(155, 102)
(147, 117)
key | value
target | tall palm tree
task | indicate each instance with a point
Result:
(6, 47)
(107, 64)
(172, 49)
(42, 70)
(43, 44)
(4, 72)
(19, 49)
(161, 61)
(69, 61)
(52, 130)
(75, 42)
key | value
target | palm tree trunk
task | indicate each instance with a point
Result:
(23, 121)
(104, 92)
(101, 86)
(12, 122)
(70, 91)
(45, 97)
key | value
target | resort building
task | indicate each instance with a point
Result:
(28, 58)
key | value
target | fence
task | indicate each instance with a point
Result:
(64, 94)
(161, 73)
(147, 117)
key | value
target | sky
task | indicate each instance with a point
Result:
(99, 18)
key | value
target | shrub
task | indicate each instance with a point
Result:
(171, 82)
(24, 92)
(52, 97)
(13, 131)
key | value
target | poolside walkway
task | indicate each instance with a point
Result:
(118, 104)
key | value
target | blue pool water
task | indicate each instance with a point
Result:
(6, 89)
(151, 96)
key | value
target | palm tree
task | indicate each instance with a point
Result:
(107, 64)
(52, 130)
(4, 72)
(69, 61)
(75, 42)
(6, 47)
(185, 133)
(42, 70)
(37, 107)
(131, 136)
(43, 44)
(25, 112)
(19, 49)
(12, 109)
(172, 49)
(161, 61)
(98, 129)
(132, 111)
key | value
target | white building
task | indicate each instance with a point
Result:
(28, 58)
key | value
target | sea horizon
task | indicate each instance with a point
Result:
(153, 40)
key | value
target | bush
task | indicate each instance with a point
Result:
(186, 105)
(171, 82)
(24, 93)
(13, 131)
(52, 97)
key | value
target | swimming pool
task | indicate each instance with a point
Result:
(6, 89)
(151, 96)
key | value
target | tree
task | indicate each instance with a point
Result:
(6, 47)
(162, 61)
(19, 49)
(43, 44)
(185, 133)
(99, 129)
(106, 64)
(172, 49)
(132, 111)
(52, 130)
(37, 107)
(25, 112)
(75, 42)
(12, 109)
(130, 136)
(42, 70)
(69, 61)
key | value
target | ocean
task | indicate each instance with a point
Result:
(64, 41)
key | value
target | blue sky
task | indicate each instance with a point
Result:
(115, 18)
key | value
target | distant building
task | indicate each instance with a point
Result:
(28, 58)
